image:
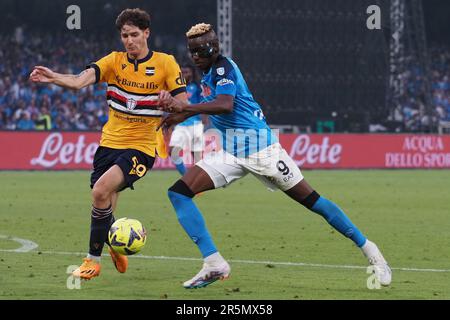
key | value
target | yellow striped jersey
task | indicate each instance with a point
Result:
(132, 94)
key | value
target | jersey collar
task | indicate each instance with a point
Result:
(144, 59)
(137, 62)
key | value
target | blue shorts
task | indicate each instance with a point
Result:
(133, 163)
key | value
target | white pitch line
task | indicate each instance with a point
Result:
(275, 263)
(27, 245)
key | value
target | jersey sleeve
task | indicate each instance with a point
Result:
(104, 68)
(174, 80)
(225, 81)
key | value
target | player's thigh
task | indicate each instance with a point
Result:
(117, 169)
(198, 180)
(222, 168)
(104, 160)
(134, 165)
(110, 182)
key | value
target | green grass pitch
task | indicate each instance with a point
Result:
(277, 249)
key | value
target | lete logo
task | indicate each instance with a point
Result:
(303, 151)
(55, 151)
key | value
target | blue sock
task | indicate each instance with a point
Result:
(337, 218)
(192, 221)
(181, 168)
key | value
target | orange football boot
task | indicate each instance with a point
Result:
(120, 261)
(88, 269)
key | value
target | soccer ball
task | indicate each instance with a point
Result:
(127, 236)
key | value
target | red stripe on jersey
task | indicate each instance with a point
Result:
(138, 103)
(116, 96)
(147, 103)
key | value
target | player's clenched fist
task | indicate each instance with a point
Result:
(169, 103)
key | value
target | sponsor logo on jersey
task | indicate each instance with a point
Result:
(224, 82)
(140, 85)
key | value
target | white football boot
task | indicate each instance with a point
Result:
(209, 274)
(381, 268)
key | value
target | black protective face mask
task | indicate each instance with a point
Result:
(203, 51)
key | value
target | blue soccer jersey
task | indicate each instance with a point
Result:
(194, 96)
(244, 130)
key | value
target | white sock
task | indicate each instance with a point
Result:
(214, 259)
(95, 258)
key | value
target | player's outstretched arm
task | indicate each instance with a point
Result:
(222, 104)
(45, 75)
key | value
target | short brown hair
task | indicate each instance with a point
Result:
(136, 17)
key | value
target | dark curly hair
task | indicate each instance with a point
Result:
(135, 17)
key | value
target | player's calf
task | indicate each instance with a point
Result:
(334, 216)
(101, 220)
(337, 218)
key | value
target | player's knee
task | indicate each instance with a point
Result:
(180, 188)
(310, 200)
(99, 194)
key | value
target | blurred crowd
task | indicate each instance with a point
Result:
(28, 106)
(411, 111)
